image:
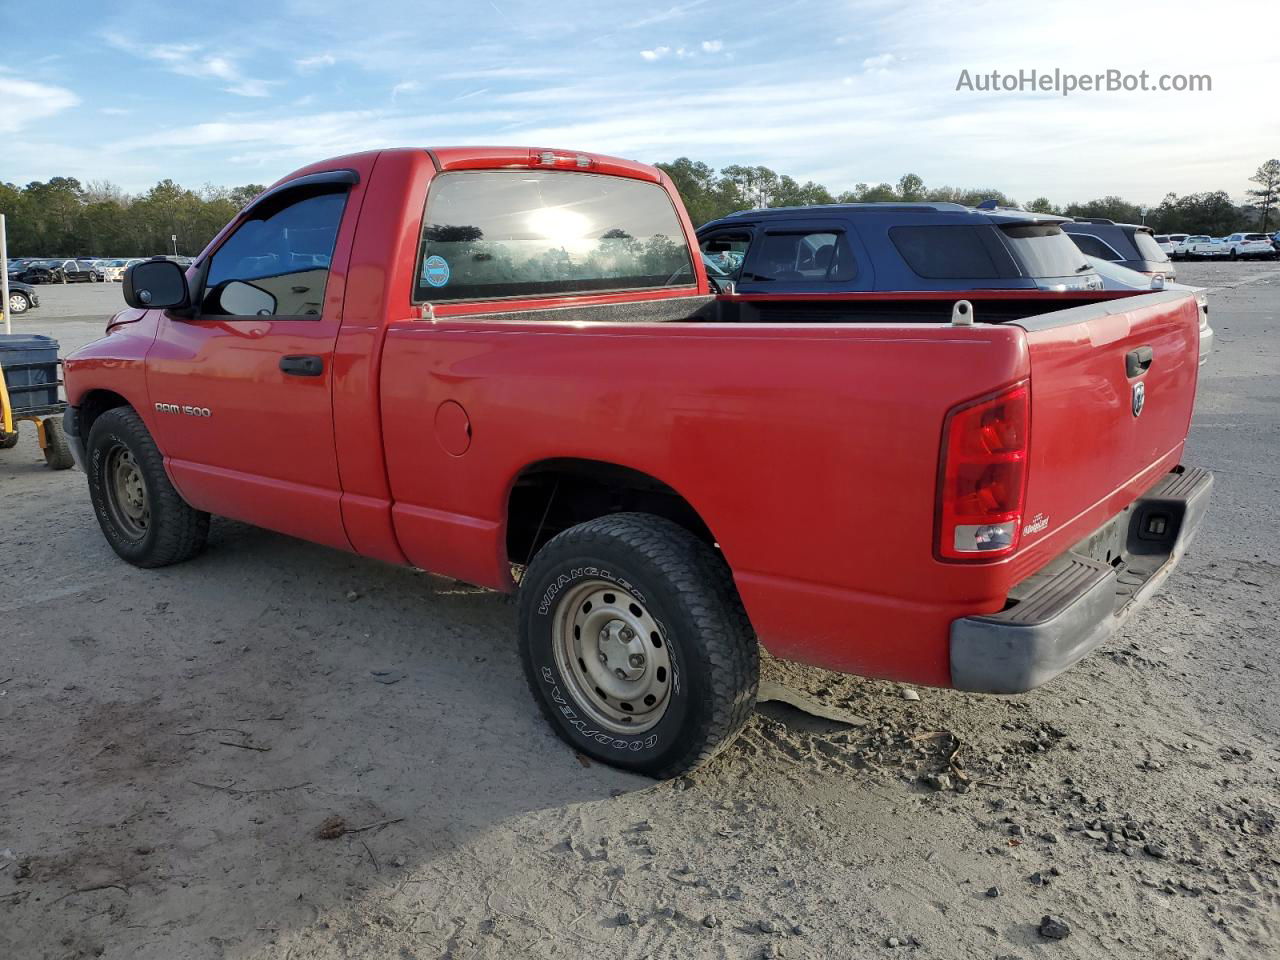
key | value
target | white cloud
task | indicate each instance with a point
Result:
(318, 62)
(880, 62)
(114, 111)
(663, 16)
(712, 46)
(657, 53)
(23, 102)
(407, 86)
(191, 60)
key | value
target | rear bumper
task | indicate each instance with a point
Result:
(1074, 605)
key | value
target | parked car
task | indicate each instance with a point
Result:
(22, 297)
(1207, 248)
(515, 373)
(1249, 246)
(18, 264)
(114, 269)
(1182, 249)
(61, 271)
(858, 247)
(1116, 277)
(1128, 244)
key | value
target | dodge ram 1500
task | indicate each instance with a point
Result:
(506, 365)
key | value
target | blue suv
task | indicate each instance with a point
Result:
(849, 247)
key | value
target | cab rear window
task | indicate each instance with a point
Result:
(492, 234)
(1044, 250)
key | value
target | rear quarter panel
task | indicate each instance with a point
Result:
(811, 452)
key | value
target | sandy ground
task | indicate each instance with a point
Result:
(171, 741)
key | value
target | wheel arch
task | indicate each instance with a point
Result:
(94, 403)
(552, 495)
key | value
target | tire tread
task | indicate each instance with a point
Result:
(181, 531)
(704, 584)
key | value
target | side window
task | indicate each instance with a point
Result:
(1093, 247)
(945, 252)
(801, 256)
(277, 263)
(724, 252)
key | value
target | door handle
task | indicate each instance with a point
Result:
(302, 366)
(1138, 362)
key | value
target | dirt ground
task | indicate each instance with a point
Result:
(172, 741)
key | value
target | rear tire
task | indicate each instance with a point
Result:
(18, 302)
(142, 516)
(667, 622)
(57, 452)
(8, 440)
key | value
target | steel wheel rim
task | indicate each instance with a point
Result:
(17, 304)
(614, 655)
(127, 493)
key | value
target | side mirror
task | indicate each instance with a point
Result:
(156, 285)
(236, 298)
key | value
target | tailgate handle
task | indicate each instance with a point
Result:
(1138, 362)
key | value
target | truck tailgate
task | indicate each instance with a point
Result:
(1112, 389)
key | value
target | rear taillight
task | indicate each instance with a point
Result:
(983, 476)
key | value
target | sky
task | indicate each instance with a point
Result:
(841, 91)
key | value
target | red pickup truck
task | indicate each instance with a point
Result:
(506, 365)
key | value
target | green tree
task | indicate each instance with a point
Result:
(910, 187)
(1268, 193)
(1109, 208)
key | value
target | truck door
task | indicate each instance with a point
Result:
(242, 389)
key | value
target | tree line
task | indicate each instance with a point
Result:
(62, 217)
(709, 194)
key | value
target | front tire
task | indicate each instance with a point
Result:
(636, 645)
(142, 516)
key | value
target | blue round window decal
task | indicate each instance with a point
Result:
(435, 271)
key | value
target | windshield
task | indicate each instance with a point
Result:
(1045, 251)
(1148, 249)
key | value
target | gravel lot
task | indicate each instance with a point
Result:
(172, 741)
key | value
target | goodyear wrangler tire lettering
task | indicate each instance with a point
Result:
(635, 644)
